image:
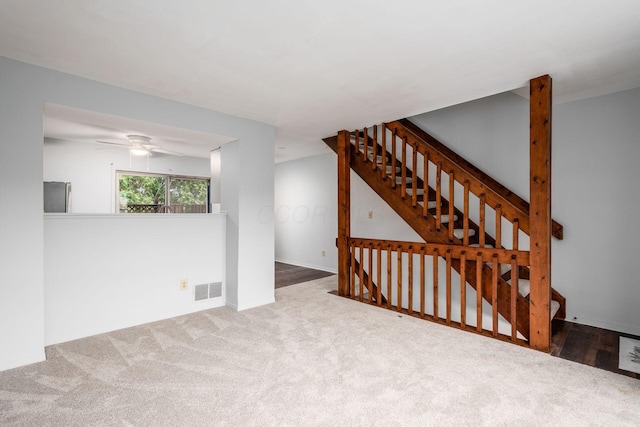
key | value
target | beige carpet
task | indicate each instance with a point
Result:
(309, 359)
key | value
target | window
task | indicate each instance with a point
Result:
(156, 193)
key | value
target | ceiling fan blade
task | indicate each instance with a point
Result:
(149, 147)
(126, 145)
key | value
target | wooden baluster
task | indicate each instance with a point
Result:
(374, 162)
(352, 285)
(498, 226)
(384, 150)
(463, 289)
(399, 278)
(481, 225)
(448, 278)
(393, 158)
(479, 265)
(403, 187)
(451, 192)
(422, 279)
(435, 284)
(379, 260)
(514, 298)
(425, 184)
(438, 195)
(365, 142)
(361, 247)
(516, 232)
(389, 253)
(370, 281)
(414, 174)
(494, 293)
(410, 281)
(465, 240)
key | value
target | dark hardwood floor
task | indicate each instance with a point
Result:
(588, 345)
(287, 274)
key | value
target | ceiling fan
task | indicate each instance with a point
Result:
(140, 145)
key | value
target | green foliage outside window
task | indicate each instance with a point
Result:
(188, 192)
(143, 190)
(147, 194)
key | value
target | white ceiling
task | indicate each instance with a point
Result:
(312, 68)
(72, 124)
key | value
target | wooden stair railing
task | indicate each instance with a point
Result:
(365, 277)
(427, 226)
(512, 206)
(394, 263)
(423, 181)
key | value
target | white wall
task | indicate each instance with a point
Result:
(306, 213)
(21, 245)
(256, 244)
(107, 272)
(24, 90)
(595, 175)
(91, 169)
(229, 179)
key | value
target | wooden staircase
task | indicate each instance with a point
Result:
(421, 179)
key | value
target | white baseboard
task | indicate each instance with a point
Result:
(255, 304)
(305, 265)
(605, 324)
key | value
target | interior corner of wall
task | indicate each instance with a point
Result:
(232, 305)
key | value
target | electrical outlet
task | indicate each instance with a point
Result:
(323, 252)
(184, 284)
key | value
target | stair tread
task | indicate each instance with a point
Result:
(444, 219)
(555, 306)
(419, 191)
(390, 168)
(504, 268)
(408, 178)
(459, 233)
(524, 287)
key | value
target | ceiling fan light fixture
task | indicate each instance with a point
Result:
(138, 145)
(138, 139)
(138, 150)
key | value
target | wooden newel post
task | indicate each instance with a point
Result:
(344, 212)
(540, 213)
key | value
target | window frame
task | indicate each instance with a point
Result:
(168, 178)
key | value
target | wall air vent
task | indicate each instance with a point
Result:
(201, 292)
(208, 291)
(215, 290)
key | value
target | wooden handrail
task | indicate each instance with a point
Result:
(513, 206)
(504, 256)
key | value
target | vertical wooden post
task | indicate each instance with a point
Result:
(540, 213)
(344, 212)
